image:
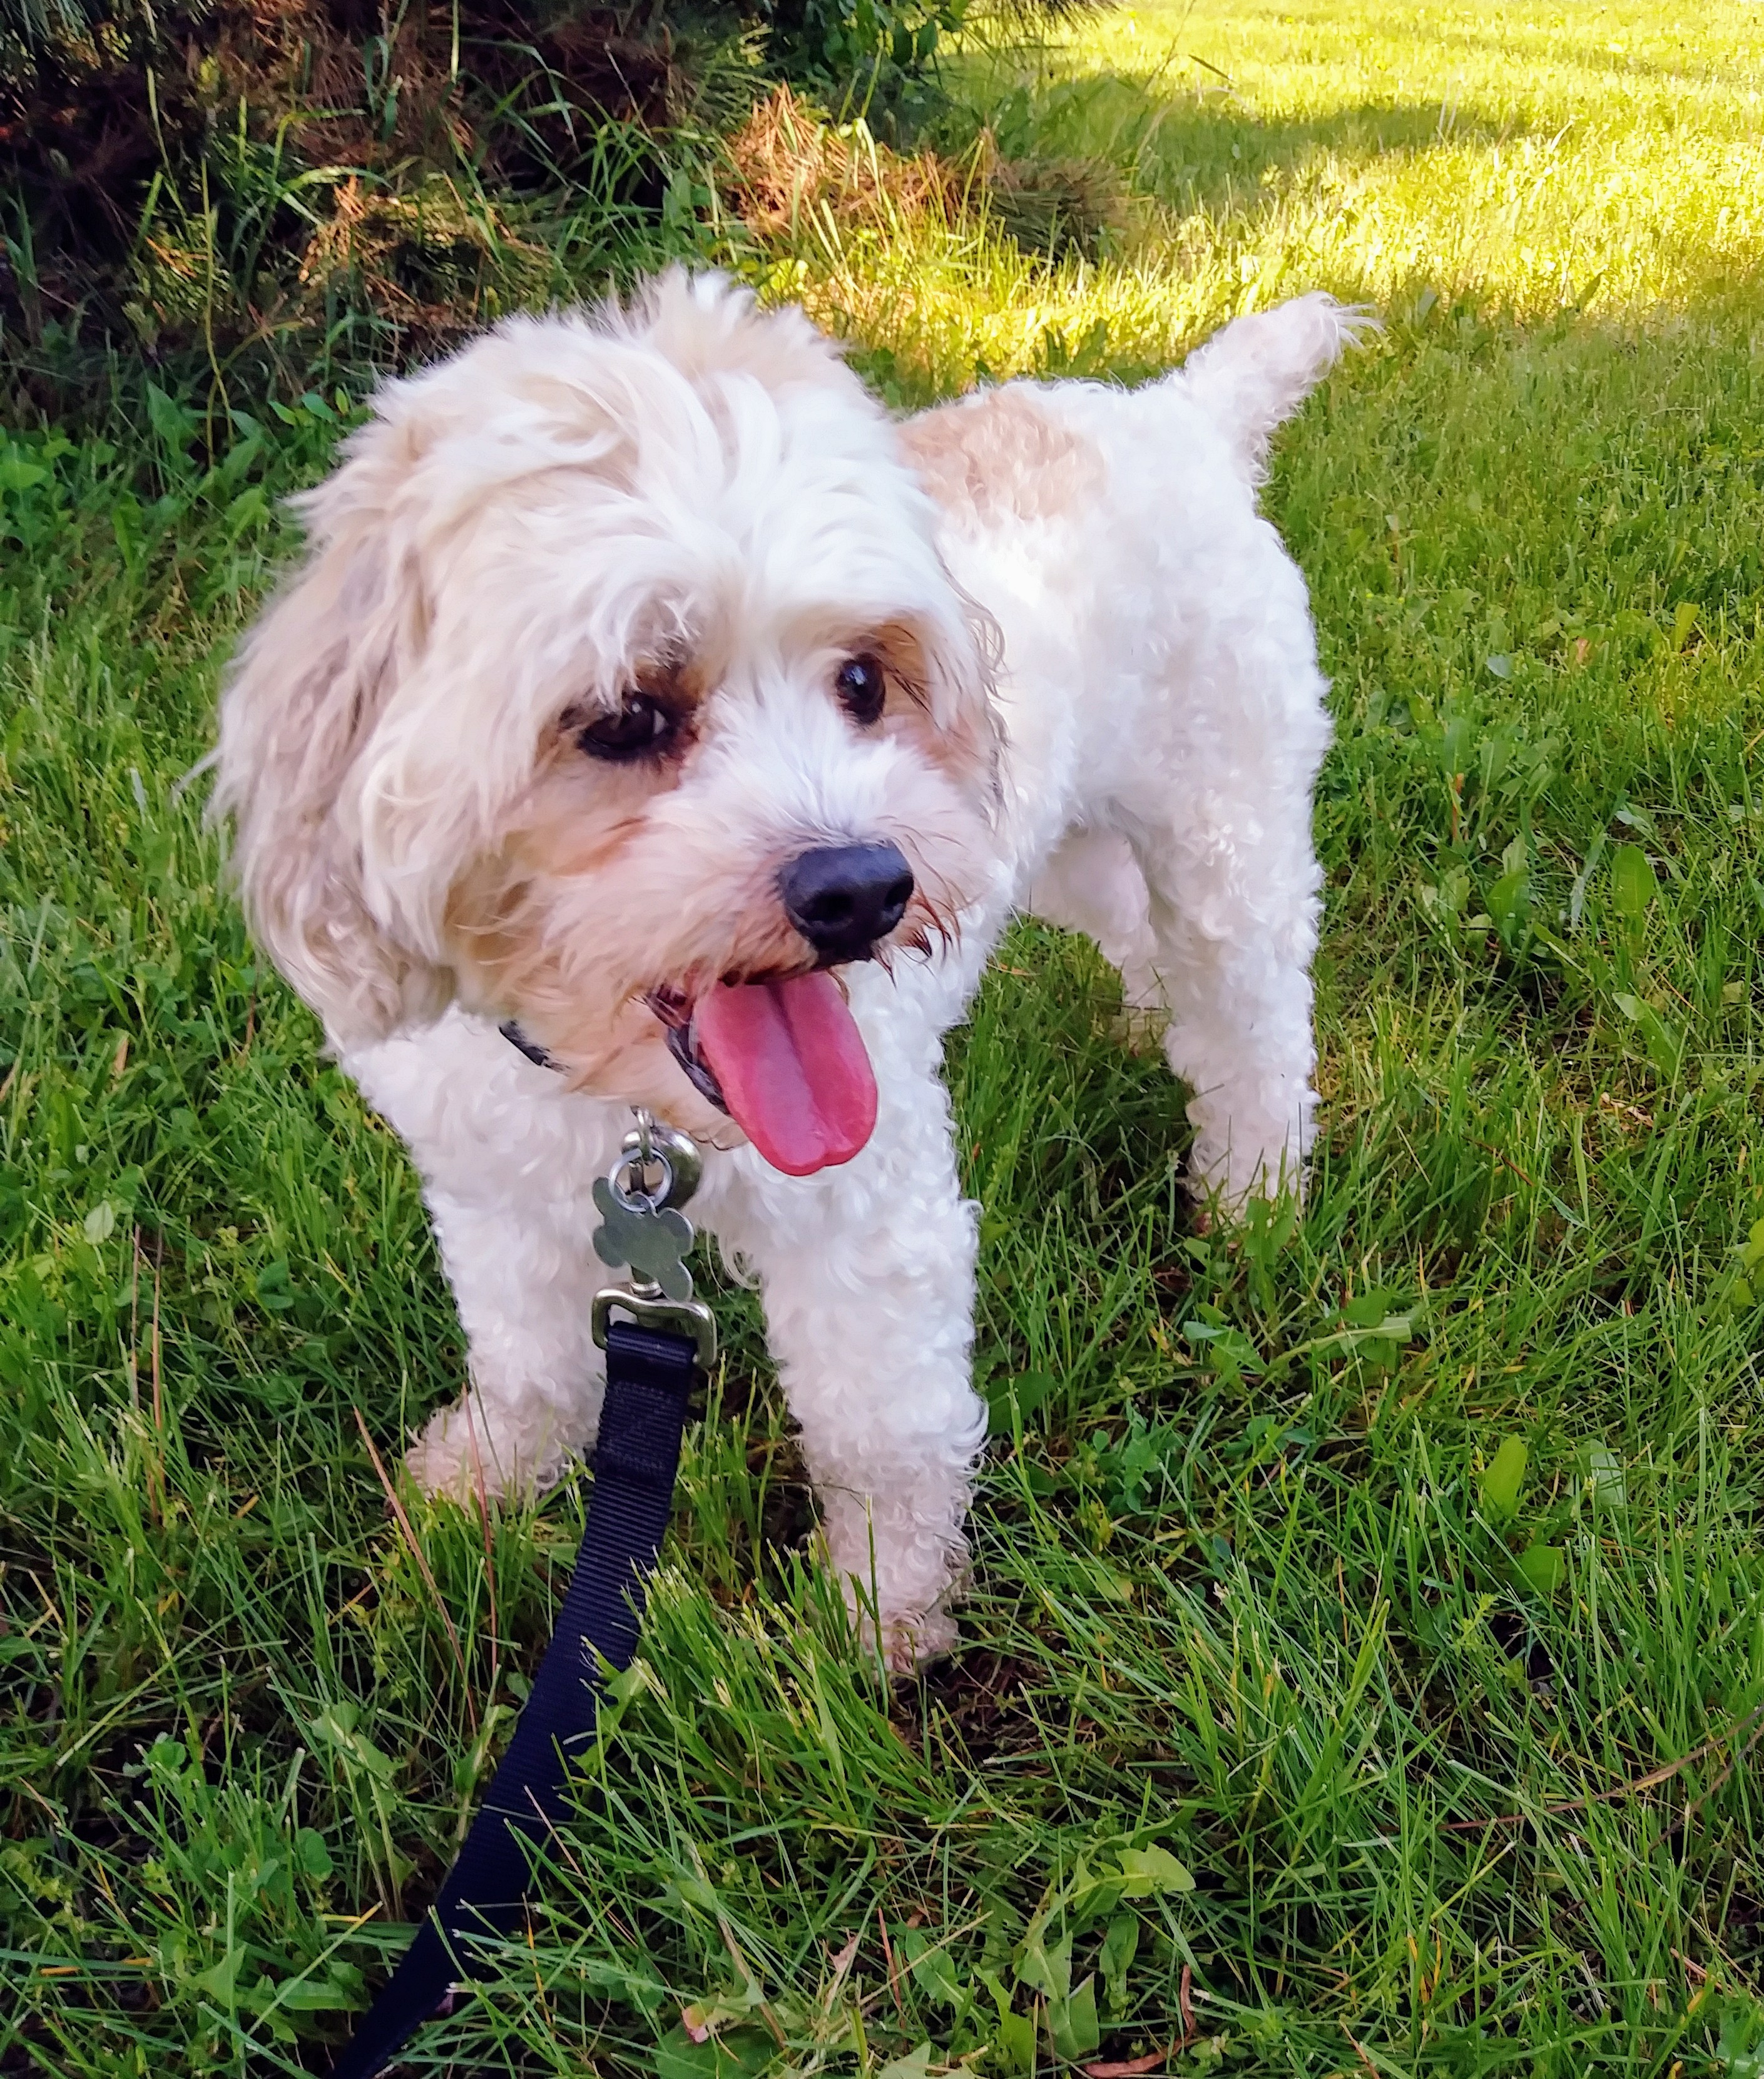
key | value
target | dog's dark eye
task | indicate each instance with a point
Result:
(642, 727)
(862, 687)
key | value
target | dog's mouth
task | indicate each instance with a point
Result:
(681, 1029)
(783, 1057)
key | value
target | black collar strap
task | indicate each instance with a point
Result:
(649, 1375)
(678, 1045)
(534, 1052)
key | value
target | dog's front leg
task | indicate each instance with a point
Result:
(522, 1274)
(868, 1278)
(508, 1160)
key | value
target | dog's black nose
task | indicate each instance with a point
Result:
(843, 899)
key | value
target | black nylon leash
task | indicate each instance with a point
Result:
(650, 1374)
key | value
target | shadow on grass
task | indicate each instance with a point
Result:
(1585, 57)
(1205, 149)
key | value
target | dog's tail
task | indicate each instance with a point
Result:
(1260, 369)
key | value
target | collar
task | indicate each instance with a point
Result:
(534, 1052)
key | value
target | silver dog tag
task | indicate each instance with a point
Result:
(642, 1227)
(653, 1241)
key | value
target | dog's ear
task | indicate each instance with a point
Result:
(304, 696)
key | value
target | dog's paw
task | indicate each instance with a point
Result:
(456, 1457)
(907, 1640)
(911, 1643)
(441, 1460)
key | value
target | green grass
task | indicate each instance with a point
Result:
(1280, 1668)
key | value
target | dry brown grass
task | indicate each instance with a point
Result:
(787, 164)
(203, 176)
(790, 169)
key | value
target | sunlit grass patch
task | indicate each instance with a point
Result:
(1605, 161)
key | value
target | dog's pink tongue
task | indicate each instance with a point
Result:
(792, 1068)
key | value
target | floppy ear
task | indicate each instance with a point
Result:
(310, 683)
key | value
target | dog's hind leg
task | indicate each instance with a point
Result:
(1093, 883)
(1239, 1036)
(1220, 823)
(1235, 926)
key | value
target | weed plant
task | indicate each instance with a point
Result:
(1365, 1667)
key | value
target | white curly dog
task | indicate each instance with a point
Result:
(646, 684)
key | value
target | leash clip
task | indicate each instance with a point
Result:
(644, 1230)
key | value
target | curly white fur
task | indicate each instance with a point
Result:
(1106, 706)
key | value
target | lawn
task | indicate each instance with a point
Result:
(1364, 1672)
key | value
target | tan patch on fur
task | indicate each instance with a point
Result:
(1001, 456)
(966, 748)
(903, 657)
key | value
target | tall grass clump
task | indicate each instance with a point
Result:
(297, 192)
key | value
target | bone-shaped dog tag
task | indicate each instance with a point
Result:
(654, 1243)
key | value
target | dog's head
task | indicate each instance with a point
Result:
(623, 693)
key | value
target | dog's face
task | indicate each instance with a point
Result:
(624, 694)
